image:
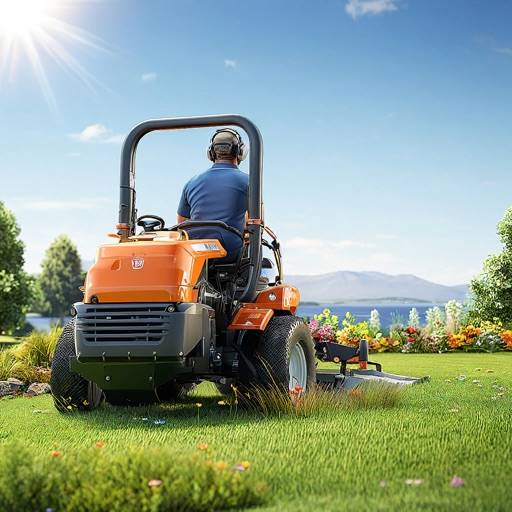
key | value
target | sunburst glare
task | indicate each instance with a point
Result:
(33, 29)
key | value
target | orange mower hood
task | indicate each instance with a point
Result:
(156, 267)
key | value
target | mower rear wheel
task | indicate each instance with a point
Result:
(71, 391)
(285, 355)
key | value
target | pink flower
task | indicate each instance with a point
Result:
(313, 325)
(457, 481)
(326, 332)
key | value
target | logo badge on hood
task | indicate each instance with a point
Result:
(137, 263)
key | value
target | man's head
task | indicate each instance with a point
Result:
(226, 145)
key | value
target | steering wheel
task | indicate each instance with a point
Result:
(151, 222)
(205, 223)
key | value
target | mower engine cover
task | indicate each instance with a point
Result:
(157, 267)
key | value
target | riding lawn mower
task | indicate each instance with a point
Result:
(162, 312)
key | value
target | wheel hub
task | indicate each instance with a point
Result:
(297, 368)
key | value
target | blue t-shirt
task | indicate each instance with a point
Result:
(220, 193)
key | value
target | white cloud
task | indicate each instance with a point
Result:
(149, 77)
(318, 256)
(358, 8)
(504, 51)
(41, 205)
(230, 63)
(97, 133)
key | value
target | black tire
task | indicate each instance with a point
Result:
(272, 355)
(71, 391)
(172, 391)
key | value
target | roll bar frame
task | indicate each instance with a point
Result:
(128, 212)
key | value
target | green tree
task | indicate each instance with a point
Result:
(61, 276)
(39, 303)
(16, 287)
(492, 288)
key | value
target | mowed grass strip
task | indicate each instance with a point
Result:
(358, 458)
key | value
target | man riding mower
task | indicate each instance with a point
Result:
(169, 307)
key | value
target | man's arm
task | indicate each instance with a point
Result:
(183, 207)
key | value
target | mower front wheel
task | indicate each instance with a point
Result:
(71, 391)
(285, 355)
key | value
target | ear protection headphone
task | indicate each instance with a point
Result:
(238, 149)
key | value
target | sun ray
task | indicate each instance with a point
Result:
(31, 31)
(39, 71)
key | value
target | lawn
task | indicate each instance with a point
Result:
(357, 459)
(8, 341)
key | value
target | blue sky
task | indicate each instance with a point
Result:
(387, 123)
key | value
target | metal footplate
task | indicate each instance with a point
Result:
(355, 378)
(347, 378)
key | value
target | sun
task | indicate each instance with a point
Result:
(34, 30)
(19, 18)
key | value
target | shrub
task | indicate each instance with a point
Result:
(491, 289)
(138, 479)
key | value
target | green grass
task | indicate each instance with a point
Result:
(8, 341)
(331, 460)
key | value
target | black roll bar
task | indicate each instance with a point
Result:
(127, 210)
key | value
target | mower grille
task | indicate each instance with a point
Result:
(123, 323)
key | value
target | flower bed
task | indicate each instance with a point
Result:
(444, 331)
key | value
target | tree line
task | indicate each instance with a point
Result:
(49, 293)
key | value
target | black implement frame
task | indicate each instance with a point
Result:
(127, 210)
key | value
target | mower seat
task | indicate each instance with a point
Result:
(226, 272)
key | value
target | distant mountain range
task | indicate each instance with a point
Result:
(345, 286)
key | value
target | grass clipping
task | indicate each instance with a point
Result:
(134, 480)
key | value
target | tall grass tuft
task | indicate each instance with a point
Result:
(104, 480)
(9, 364)
(31, 359)
(272, 401)
(37, 349)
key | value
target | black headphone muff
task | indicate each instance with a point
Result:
(238, 150)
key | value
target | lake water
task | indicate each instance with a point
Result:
(388, 313)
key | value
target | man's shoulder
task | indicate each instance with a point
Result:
(241, 175)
